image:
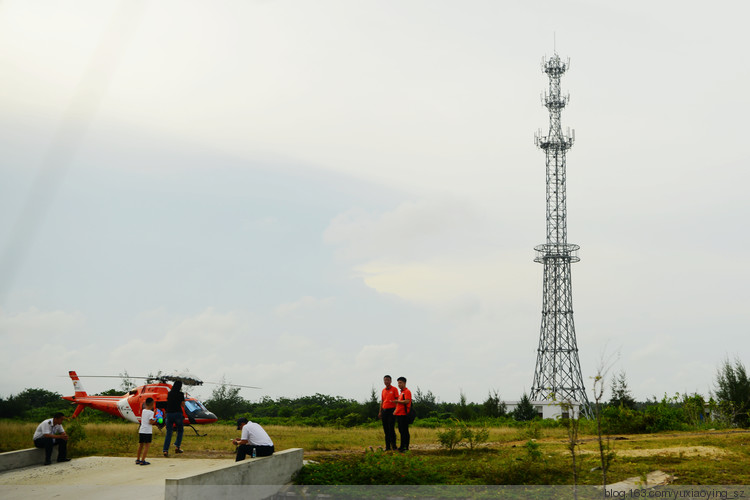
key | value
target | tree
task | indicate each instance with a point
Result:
(621, 395)
(463, 412)
(111, 392)
(226, 401)
(572, 425)
(424, 403)
(371, 406)
(30, 403)
(733, 391)
(493, 406)
(606, 455)
(525, 410)
(35, 398)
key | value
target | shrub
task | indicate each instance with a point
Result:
(450, 437)
(475, 436)
(76, 431)
(623, 420)
(350, 420)
(532, 450)
(665, 415)
(532, 431)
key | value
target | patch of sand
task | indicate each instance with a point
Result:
(685, 451)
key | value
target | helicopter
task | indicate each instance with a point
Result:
(129, 405)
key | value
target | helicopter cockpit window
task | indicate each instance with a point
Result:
(193, 406)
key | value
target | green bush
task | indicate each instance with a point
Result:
(76, 432)
(475, 436)
(450, 437)
(623, 420)
(532, 450)
(665, 415)
(350, 420)
(532, 431)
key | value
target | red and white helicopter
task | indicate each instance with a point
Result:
(130, 404)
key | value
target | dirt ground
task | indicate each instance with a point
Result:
(684, 451)
(101, 478)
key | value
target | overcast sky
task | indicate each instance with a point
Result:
(304, 196)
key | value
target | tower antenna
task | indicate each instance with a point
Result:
(558, 370)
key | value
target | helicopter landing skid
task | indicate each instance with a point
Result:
(196, 431)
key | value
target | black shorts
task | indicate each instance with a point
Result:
(144, 438)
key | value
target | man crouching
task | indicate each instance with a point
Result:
(254, 441)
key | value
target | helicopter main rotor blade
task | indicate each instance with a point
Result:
(107, 376)
(233, 385)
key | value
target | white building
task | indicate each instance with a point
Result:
(549, 409)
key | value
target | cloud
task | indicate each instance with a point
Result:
(372, 356)
(210, 333)
(437, 225)
(305, 303)
(39, 325)
(430, 251)
(297, 343)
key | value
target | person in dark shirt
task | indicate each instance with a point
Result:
(175, 405)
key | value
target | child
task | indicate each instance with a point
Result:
(144, 433)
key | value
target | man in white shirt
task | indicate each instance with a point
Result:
(50, 433)
(253, 438)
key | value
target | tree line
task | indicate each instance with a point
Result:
(729, 405)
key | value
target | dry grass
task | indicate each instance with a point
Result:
(717, 457)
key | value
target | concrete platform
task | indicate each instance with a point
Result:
(24, 458)
(101, 478)
(174, 478)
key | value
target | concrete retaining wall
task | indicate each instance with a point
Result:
(24, 458)
(254, 478)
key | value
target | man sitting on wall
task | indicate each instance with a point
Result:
(50, 433)
(254, 441)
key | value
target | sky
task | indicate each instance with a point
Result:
(305, 196)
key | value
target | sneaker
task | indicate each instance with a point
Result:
(178, 450)
(145, 463)
(59, 460)
(137, 462)
(166, 454)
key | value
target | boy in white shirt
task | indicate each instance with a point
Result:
(145, 432)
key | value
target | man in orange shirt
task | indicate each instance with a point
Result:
(388, 398)
(403, 405)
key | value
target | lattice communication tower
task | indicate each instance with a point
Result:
(558, 369)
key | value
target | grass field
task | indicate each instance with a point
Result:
(708, 457)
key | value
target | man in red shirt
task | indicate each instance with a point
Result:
(388, 398)
(403, 405)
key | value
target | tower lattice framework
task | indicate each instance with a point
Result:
(558, 370)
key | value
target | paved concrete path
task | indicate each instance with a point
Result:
(101, 478)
